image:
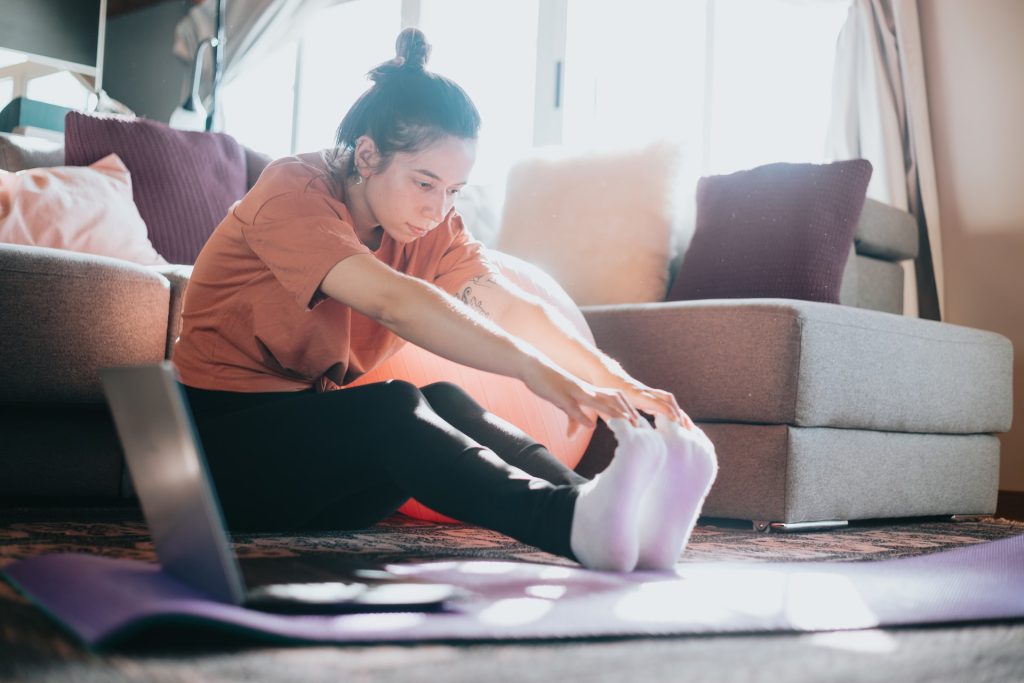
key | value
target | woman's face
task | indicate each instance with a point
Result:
(412, 195)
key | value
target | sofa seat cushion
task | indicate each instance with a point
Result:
(64, 315)
(801, 363)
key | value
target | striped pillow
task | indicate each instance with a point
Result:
(183, 182)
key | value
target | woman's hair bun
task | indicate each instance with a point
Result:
(411, 53)
(412, 48)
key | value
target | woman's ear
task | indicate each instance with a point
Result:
(367, 157)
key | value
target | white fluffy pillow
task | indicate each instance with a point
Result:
(599, 223)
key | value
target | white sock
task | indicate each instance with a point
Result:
(606, 522)
(673, 503)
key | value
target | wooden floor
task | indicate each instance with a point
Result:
(1011, 505)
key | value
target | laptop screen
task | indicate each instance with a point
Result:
(171, 479)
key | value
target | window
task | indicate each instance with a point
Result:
(334, 61)
(21, 78)
(257, 106)
(770, 81)
(738, 82)
(490, 49)
(60, 88)
(633, 72)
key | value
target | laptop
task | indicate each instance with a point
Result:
(167, 466)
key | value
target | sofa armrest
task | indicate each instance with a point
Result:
(64, 315)
(885, 232)
(809, 364)
(178, 276)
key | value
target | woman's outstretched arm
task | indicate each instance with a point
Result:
(428, 317)
(535, 321)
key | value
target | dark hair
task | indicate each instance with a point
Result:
(406, 108)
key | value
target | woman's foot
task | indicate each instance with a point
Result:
(606, 523)
(673, 503)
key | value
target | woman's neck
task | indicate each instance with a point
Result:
(367, 229)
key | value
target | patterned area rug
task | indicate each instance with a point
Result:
(121, 532)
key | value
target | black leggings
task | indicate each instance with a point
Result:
(350, 458)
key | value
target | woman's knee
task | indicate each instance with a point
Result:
(395, 395)
(446, 396)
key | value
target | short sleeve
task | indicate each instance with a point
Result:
(464, 259)
(299, 238)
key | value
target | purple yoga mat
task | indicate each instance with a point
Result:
(104, 600)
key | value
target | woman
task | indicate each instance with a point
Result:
(324, 268)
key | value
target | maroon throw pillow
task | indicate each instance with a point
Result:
(182, 181)
(776, 231)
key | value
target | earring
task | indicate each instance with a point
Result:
(359, 179)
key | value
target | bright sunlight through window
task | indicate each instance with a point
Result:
(738, 82)
(771, 81)
(335, 60)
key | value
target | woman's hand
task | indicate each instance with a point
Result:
(579, 400)
(645, 398)
(544, 327)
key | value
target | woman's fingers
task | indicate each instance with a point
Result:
(656, 401)
(660, 402)
(611, 404)
(583, 404)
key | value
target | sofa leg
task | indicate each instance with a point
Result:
(967, 518)
(768, 527)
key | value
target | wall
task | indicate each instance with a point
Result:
(139, 68)
(974, 59)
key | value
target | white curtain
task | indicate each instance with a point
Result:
(880, 113)
(252, 28)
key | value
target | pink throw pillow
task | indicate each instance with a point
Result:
(87, 209)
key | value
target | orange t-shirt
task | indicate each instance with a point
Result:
(253, 317)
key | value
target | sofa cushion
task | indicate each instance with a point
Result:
(64, 315)
(19, 152)
(802, 363)
(82, 209)
(599, 223)
(780, 230)
(183, 181)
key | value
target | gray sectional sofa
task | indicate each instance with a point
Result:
(820, 413)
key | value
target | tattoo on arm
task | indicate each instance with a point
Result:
(469, 298)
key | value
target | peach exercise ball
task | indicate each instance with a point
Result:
(505, 397)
